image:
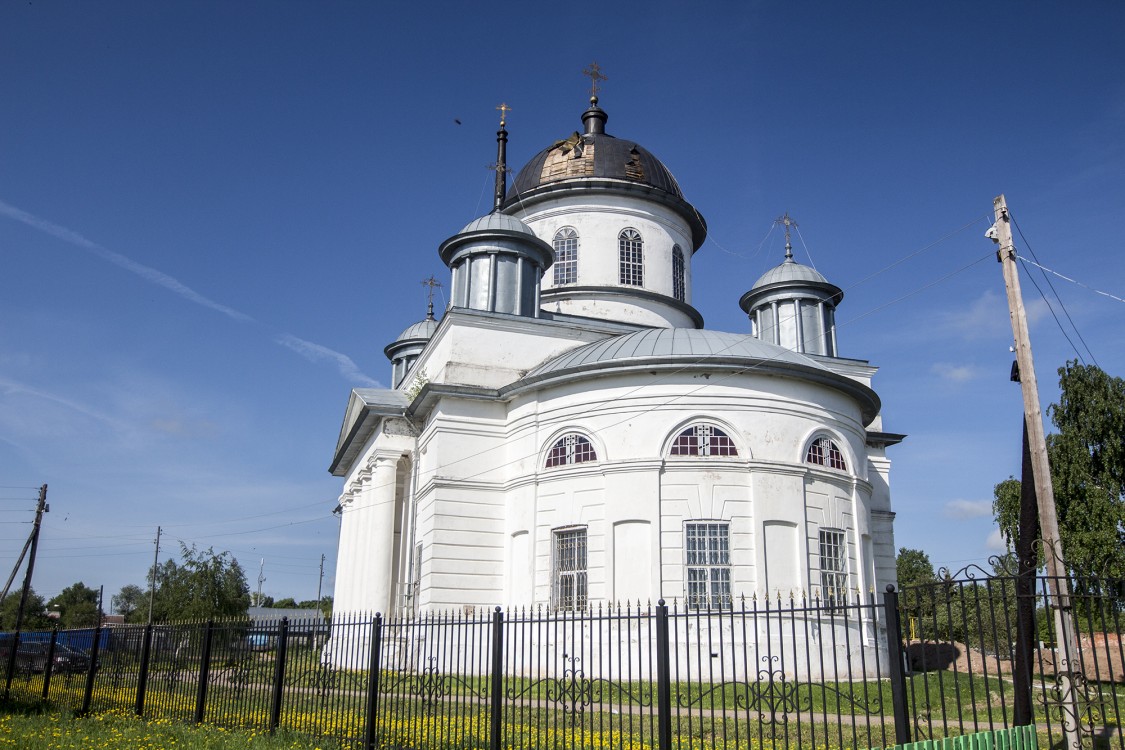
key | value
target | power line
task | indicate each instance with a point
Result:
(1072, 281)
(1061, 303)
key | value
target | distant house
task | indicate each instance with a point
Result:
(309, 625)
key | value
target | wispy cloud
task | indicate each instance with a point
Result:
(316, 352)
(145, 272)
(984, 317)
(307, 349)
(965, 509)
(955, 373)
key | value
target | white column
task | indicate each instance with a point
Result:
(345, 563)
(378, 526)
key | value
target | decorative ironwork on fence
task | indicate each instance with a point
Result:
(938, 661)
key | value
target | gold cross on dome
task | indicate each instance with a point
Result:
(504, 110)
(595, 73)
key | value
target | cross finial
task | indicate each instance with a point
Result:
(595, 73)
(787, 221)
(432, 283)
(504, 110)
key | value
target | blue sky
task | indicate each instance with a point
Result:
(213, 216)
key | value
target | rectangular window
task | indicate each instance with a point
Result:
(570, 569)
(707, 563)
(833, 567)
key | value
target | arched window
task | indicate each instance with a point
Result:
(571, 449)
(677, 273)
(566, 256)
(703, 440)
(824, 452)
(631, 252)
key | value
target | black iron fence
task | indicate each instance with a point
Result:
(939, 660)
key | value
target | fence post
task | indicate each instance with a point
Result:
(204, 672)
(88, 697)
(374, 659)
(497, 679)
(895, 655)
(50, 661)
(14, 644)
(279, 674)
(142, 676)
(663, 679)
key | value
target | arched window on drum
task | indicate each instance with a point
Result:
(572, 448)
(823, 451)
(703, 440)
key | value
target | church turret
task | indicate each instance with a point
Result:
(497, 264)
(793, 305)
(496, 260)
(403, 351)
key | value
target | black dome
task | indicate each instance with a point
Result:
(596, 155)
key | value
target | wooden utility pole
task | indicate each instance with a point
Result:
(152, 583)
(40, 509)
(1058, 584)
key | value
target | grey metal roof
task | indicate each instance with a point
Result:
(423, 329)
(790, 271)
(497, 221)
(673, 343)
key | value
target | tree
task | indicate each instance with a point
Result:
(77, 606)
(1087, 457)
(203, 586)
(287, 603)
(34, 613)
(128, 601)
(913, 567)
(325, 605)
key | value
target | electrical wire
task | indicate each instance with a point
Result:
(1072, 281)
(1056, 293)
(1058, 322)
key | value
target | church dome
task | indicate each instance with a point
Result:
(684, 349)
(687, 345)
(497, 222)
(788, 272)
(609, 158)
(423, 329)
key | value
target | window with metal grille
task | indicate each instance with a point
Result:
(631, 251)
(833, 567)
(566, 256)
(703, 440)
(825, 452)
(571, 449)
(677, 273)
(707, 564)
(570, 569)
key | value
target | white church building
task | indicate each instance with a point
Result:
(569, 434)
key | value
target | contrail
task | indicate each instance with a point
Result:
(307, 349)
(316, 352)
(145, 272)
(12, 386)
